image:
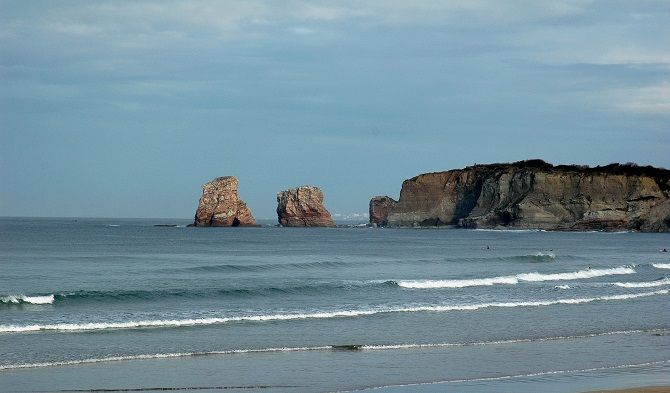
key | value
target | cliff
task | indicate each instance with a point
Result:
(303, 207)
(221, 206)
(533, 194)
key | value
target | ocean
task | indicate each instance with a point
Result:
(123, 305)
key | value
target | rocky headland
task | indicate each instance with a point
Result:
(303, 207)
(221, 206)
(532, 195)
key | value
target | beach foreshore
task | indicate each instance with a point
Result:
(643, 389)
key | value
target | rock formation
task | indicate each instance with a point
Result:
(221, 206)
(533, 194)
(380, 208)
(303, 207)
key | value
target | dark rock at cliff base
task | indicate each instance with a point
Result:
(221, 206)
(533, 194)
(302, 207)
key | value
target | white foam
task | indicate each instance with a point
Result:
(316, 348)
(647, 284)
(17, 299)
(515, 376)
(157, 356)
(588, 273)
(550, 255)
(315, 315)
(427, 284)
(512, 341)
(530, 277)
(562, 287)
(661, 265)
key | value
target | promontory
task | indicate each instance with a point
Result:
(302, 207)
(533, 194)
(221, 206)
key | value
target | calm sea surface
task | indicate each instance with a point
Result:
(122, 304)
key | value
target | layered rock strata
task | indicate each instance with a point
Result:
(221, 206)
(533, 194)
(303, 207)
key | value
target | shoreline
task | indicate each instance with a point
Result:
(641, 389)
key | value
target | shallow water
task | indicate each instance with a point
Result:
(83, 301)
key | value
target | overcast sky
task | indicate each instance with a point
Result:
(124, 109)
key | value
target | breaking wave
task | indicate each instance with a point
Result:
(648, 284)
(368, 347)
(167, 323)
(74, 297)
(542, 256)
(158, 356)
(528, 375)
(23, 299)
(529, 277)
(182, 294)
(661, 265)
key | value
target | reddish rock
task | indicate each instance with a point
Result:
(380, 207)
(221, 206)
(534, 194)
(303, 207)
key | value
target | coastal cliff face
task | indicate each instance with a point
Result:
(533, 194)
(303, 207)
(221, 206)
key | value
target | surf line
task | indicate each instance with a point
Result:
(513, 280)
(337, 347)
(175, 388)
(516, 376)
(161, 323)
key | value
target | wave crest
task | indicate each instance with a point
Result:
(163, 323)
(429, 284)
(647, 284)
(23, 299)
(529, 277)
(370, 347)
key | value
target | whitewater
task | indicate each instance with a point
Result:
(511, 280)
(315, 315)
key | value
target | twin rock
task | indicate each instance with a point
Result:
(221, 206)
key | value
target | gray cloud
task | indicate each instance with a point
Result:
(353, 96)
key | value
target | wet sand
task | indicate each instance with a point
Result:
(645, 389)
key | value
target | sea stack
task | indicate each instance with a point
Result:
(533, 195)
(380, 208)
(221, 206)
(302, 207)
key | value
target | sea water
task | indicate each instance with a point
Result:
(123, 304)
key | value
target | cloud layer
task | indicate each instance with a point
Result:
(104, 103)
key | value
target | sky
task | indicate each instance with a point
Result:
(125, 108)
